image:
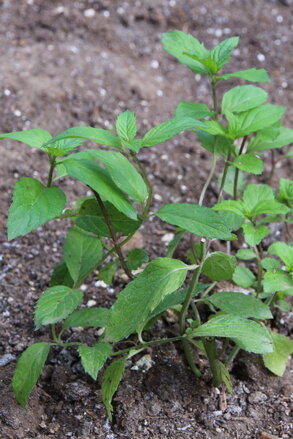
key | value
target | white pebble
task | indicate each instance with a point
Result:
(168, 237)
(159, 93)
(157, 197)
(7, 92)
(261, 57)
(83, 287)
(155, 64)
(89, 13)
(100, 283)
(279, 19)
(106, 13)
(120, 11)
(172, 3)
(102, 92)
(17, 113)
(91, 303)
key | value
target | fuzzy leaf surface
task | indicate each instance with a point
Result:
(241, 305)
(28, 369)
(126, 125)
(277, 360)
(87, 317)
(243, 277)
(34, 138)
(252, 75)
(193, 109)
(243, 98)
(111, 379)
(94, 357)
(219, 266)
(285, 253)
(33, 205)
(249, 163)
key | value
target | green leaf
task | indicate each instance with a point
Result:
(243, 277)
(34, 138)
(233, 221)
(224, 376)
(87, 317)
(286, 191)
(233, 206)
(28, 369)
(82, 252)
(107, 273)
(142, 295)
(218, 144)
(249, 163)
(111, 379)
(61, 275)
(93, 358)
(283, 305)
(97, 135)
(278, 280)
(245, 254)
(247, 334)
(221, 52)
(243, 98)
(255, 119)
(134, 145)
(285, 253)
(126, 125)
(62, 147)
(214, 127)
(193, 110)
(241, 305)
(33, 205)
(202, 221)
(124, 174)
(252, 75)
(253, 235)
(277, 360)
(169, 129)
(219, 266)
(270, 264)
(136, 258)
(55, 304)
(97, 178)
(177, 42)
(262, 143)
(92, 219)
(254, 193)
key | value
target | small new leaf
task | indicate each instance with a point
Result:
(111, 379)
(277, 360)
(93, 358)
(249, 163)
(219, 266)
(126, 125)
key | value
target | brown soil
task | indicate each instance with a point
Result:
(61, 68)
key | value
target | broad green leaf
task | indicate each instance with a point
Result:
(97, 135)
(261, 143)
(169, 129)
(243, 277)
(87, 317)
(253, 235)
(213, 127)
(208, 62)
(252, 75)
(271, 207)
(254, 193)
(33, 205)
(107, 273)
(111, 379)
(247, 334)
(202, 221)
(62, 147)
(219, 266)
(193, 110)
(94, 357)
(92, 219)
(270, 264)
(256, 119)
(126, 125)
(277, 360)
(285, 253)
(243, 98)
(249, 163)
(278, 280)
(233, 221)
(136, 258)
(245, 254)
(34, 138)
(55, 304)
(61, 275)
(221, 52)
(286, 191)
(28, 369)
(218, 144)
(241, 305)
(124, 174)
(91, 174)
(142, 295)
(134, 144)
(177, 42)
(283, 305)
(82, 252)
(233, 206)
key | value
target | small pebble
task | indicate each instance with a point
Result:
(89, 13)
(257, 397)
(6, 359)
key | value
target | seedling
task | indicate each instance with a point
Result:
(215, 324)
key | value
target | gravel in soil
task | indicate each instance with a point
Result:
(66, 63)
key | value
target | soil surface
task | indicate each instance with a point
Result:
(68, 63)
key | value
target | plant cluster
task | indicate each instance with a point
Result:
(213, 324)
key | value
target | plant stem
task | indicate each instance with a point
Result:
(211, 350)
(209, 179)
(273, 165)
(116, 244)
(146, 344)
(259, 270)
(233, 354)
(236, 176)
(224, 176)
(147, 182)
(54, 334)
(52, 160)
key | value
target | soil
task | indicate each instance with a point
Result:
(68, 63)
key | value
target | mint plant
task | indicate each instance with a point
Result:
(238, 132)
